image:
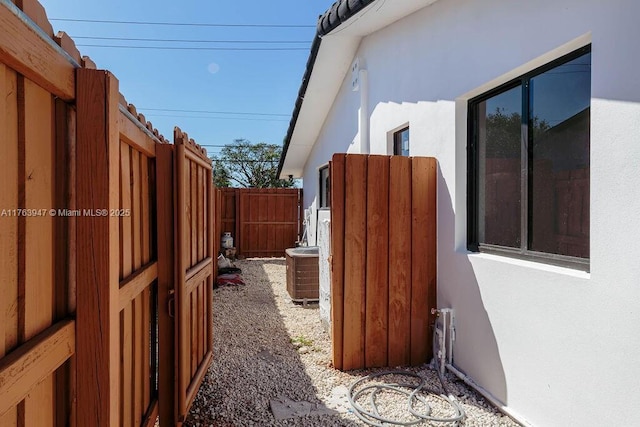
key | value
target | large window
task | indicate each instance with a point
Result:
(529, 164)
(324, 194)
(401, 142)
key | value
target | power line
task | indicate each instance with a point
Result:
(246, 161)
(234, 144)
(192, 41)
(194, 48)
(214, 112)
(183, 24)
(250, 119)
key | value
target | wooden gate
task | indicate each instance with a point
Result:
(267, 220)
(117, 266)
(383, 252)
(190, 303)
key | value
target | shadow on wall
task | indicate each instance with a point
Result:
(458, 289)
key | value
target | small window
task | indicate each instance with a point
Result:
(401, 142)
(325, 187)
(529, 147)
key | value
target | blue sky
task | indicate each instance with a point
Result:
(264, 82)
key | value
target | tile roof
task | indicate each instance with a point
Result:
(338, 13)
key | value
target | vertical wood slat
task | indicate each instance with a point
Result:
(145, 209)
(167, 253)
(377, 261)
(201, 213)
(145, 363)
(263, 214)
(126, 384)
(64, 250)
(137, 312)
(193, 194)
(422, 252)
(146, 294)
(39, 269)
(126, 263)
(355, 233)
(204, 318)
(277, 234)
(138, 360)
(98, 184)
(136, 217)
(185, 184)
(183, 245)
(73, 204)
(126, 241)
(200, 316)
(337, 258)
(240, 228)
(8, 225)
(193, 313)
(238, 231)
(399, 274)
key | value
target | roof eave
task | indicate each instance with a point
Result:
(331, 26)
(315, 47)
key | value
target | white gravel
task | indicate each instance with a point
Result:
(266, 347)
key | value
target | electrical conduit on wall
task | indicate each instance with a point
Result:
(364, 111)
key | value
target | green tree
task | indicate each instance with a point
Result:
(221, 176)
(249, 165)
(504, 132)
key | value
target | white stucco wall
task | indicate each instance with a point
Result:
(558, 346)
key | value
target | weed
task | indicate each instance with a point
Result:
(301, 341)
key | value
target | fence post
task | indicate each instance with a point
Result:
(165, 202)
(337, 257)
(98, 185)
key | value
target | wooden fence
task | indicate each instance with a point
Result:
(228, 216)
(383, 252)
(37, 271)
(264, 221)
(559, 224)
(195, 267)
(92, 287)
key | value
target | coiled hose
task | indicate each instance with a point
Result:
(373, 417)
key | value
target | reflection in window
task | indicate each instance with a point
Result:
(325, 188)
(401, 142)
(559, 117)
(499, 129)
(529, 163)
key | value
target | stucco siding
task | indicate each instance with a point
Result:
(558, 346)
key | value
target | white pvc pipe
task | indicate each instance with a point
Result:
(442, 352)
(364, 111)
(494, 401)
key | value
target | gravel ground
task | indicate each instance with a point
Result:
(266, 347)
